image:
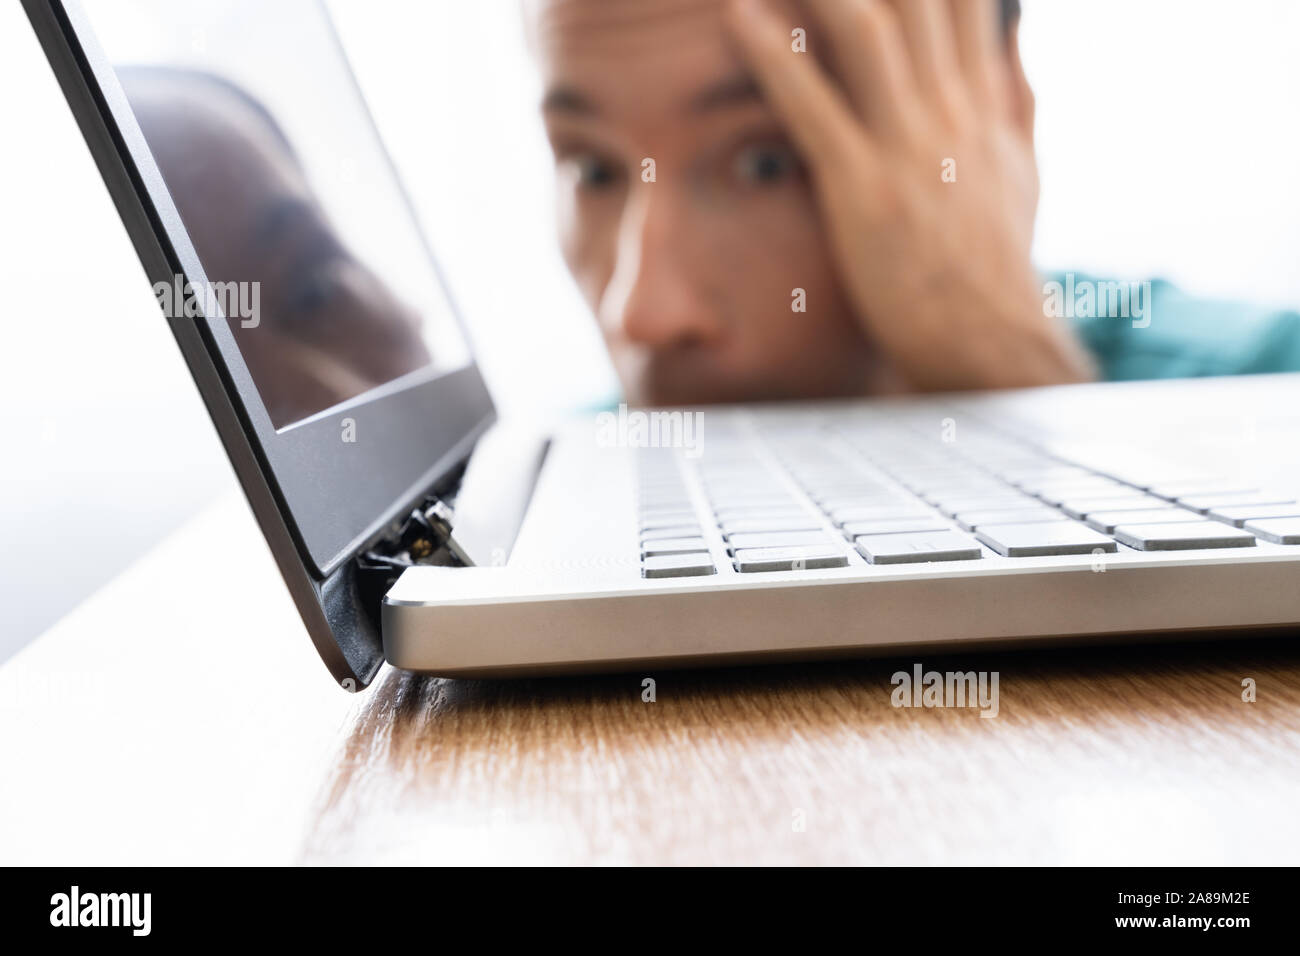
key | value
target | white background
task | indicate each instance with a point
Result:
(1169, 142)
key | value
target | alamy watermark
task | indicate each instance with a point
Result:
(1093, 299)
(126, 910)
(235, 300)
(656, 429)
(948, 689)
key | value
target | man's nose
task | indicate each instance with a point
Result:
(655, 296)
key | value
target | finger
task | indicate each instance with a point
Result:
(870, 54)
(975, 28)
(1022, 93)
(815, 112)
(927, 30)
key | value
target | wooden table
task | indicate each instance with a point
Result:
(180, 715)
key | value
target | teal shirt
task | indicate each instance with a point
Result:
(1190, 336)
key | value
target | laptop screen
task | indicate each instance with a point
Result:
(264, 142)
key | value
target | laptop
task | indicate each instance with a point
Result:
(413, 527)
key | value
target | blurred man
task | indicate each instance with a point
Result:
(806, 198)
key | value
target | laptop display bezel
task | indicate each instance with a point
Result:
(336, 495)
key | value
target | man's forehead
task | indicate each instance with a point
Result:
(632, 57)
(595, 17)
(575, 27)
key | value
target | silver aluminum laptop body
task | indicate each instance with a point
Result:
(449, 544)
(572, 595)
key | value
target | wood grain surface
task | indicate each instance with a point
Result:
(1127, 755)
(180, 716)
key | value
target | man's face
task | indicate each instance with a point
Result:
(693, 275)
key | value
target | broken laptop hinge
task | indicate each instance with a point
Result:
(429, 528)
(425, 537)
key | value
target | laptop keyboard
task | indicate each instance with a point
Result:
(812, 497)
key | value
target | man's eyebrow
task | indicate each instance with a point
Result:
(739, 90)
(565, 99)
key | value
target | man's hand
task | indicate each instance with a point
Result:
(937, 268)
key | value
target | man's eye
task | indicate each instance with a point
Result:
(763, 165)
(593, 172)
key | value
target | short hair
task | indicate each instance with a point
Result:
(1010, 11)
(141, 80)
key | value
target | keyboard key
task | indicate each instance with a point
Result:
(760, 514)
(673, 546)
(1056, 495)
(762, 503)
(678, 566)
(665, 518)
(1150, 476)
(965, 489)
(936, 476)
(748, 496)
(883, 501)
(1276, 530)
(658, 488)
(1082, 507)
(1205, 503)
(920, 472)
(1041, 474)
(753, 525)
(1238, 515)
(670, 531)
(1182, 536)
(664, 503)
(879, 513)
(982, 485)
(646, 491)
(780, 539)
(1140, 476)
(1105, 521)
(953, 506)
(824, 494)
(1092, 484)
(929, 522)
(1202, 486)
(809, 558)
(970, 520)
(1040, 540)
(917, 548)
(1071, 477)
(661, 489)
